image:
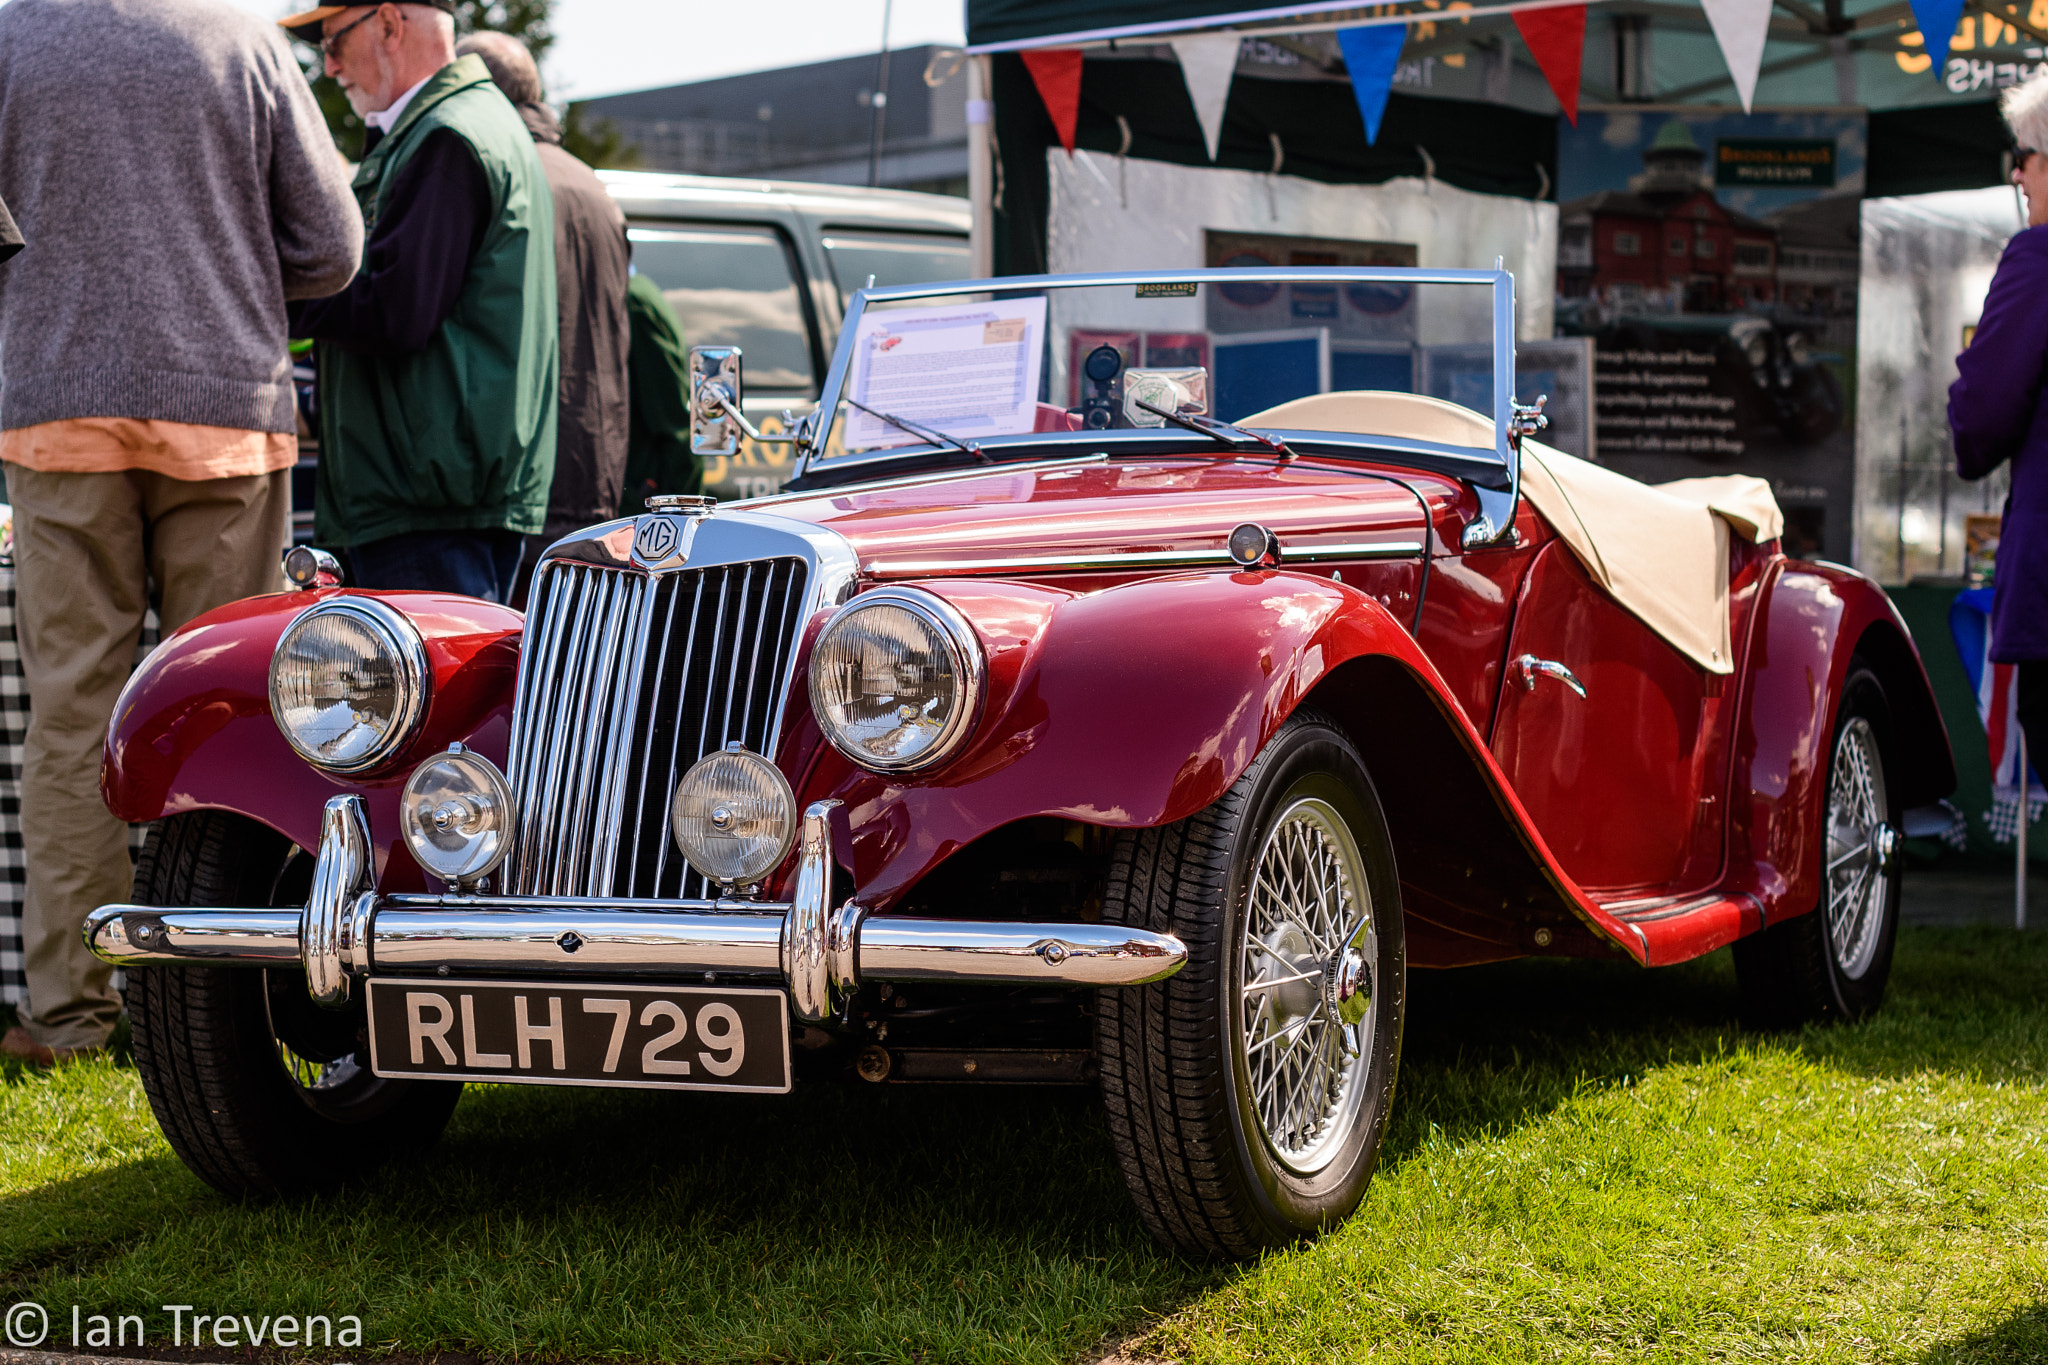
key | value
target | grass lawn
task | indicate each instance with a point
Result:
(1588, 1162)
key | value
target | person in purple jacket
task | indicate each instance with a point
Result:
(1998, 411)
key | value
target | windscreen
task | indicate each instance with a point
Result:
(1113, 357)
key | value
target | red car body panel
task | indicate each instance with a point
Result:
(1131, 698)
(192, 731)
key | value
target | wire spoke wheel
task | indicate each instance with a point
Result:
(1248, 1093)
(1308, 916)
(1831, 965)
(1858, 871)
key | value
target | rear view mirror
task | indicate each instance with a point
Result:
(715, 394)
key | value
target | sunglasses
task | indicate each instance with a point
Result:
(332, 42)
(2020, 155)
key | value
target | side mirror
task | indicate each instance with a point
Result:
(715, 394)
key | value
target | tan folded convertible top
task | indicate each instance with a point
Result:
(1660, 550)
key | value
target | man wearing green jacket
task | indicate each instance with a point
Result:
(438, 364)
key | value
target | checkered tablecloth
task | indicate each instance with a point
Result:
(13, 731)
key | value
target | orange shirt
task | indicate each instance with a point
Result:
(180, 450)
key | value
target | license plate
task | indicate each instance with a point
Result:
(648, 1037)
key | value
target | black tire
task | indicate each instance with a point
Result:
(259, 1091)
(1831, 965)
(1208, 1176)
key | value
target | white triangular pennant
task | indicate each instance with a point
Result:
(1207, 63)
(1740, 27)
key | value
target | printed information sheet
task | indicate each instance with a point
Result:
(970, 371)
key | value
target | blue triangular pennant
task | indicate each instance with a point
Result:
(1937, 20)
(1371, 54)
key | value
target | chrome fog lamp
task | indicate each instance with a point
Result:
(895, 679)
(348, 683)
(734, 816)
(456, 812)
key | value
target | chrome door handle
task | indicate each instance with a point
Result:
(1524, 668)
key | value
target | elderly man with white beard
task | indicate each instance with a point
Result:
(438, 363)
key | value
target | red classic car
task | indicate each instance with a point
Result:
(1148, 737)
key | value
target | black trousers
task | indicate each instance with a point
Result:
(2033, 710)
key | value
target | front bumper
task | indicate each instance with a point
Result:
(822, 953)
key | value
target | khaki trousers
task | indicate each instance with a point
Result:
(87, 548)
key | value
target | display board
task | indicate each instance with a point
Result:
(1267, 343)
(1712, 257)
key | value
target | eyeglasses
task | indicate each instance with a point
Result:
(2020, 155)
(332, 41)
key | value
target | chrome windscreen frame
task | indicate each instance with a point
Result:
(1496, 474)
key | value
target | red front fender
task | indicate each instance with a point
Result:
(192, 730)
(1136, 706)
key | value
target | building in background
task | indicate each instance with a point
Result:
(1667, 243)
(811, 122)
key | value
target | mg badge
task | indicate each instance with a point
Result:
(656, 538)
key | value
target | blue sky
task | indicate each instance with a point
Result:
(604, 46)
(1607, 148)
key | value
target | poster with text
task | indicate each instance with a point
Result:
(968, 373)
(1712, 257)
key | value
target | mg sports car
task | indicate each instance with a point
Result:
(1146, 740)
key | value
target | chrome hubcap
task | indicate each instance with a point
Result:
(1860, 849)
(1309, 942)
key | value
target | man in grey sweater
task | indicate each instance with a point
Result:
(172, 174)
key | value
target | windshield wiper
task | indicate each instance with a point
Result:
(932, 434)
(1234, 437)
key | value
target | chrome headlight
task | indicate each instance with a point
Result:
(734, 816)
(456, 812)
(895, 680)
(348, 683)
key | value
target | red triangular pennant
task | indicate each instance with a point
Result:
(1056, 71)
(1557, 40)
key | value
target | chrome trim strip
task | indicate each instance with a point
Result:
(142, 934)
(611, 798)
(1117, 559)
(1664, 909)
(1004, 950)
(589, 943)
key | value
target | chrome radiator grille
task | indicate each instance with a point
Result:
(626, 679)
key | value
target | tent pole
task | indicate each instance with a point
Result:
(981, 180)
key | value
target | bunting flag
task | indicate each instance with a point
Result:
(1056, 71)
(1370, 55)
(1938, 20)
(1207, 63)
(1557, 40)
(1740, 27)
